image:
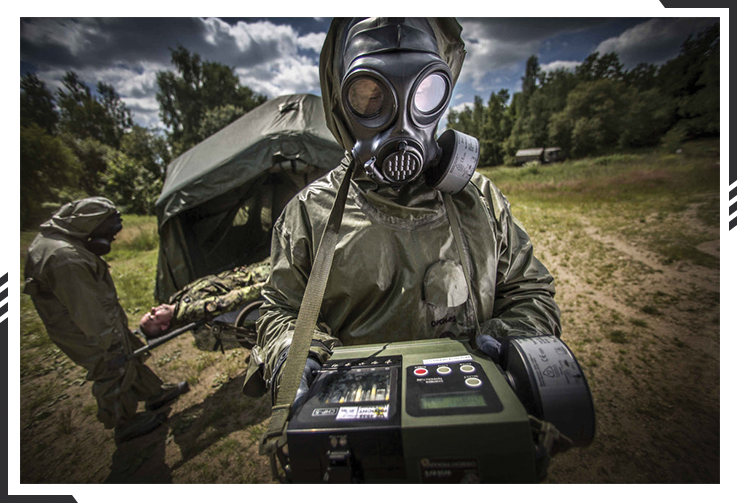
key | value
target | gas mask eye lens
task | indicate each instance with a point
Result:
(430, 93)
(365, 97)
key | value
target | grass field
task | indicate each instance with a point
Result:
(633, 242)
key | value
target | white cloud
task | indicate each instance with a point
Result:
(267, 57)
(652, 41)
(312, 41)
(286, 75)
(68, 33)
(557, 65)
(146, 111)
(486, 54)
(461, 106)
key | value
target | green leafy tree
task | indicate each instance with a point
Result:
(132, 187)
(197, 86)
(462, 120)
(692, 79)
(217, 118)
(147, 147)
(596, 67)
(115, 118)
(646, 118)
(530, 79)
(593, 117)
(498, 128)
(37, 104)
(48, 170)
(92, 154)
(642, 77)
(550, 98)
(104, 118)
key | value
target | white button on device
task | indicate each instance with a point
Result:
(420, 371)
(467, 369)
(473, 382)
(444, 370)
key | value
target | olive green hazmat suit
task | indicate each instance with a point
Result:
(76, 299)
(397, 273)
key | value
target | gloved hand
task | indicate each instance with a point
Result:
(308, 376)
(490, 346)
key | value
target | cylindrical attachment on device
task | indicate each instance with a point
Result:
(550, 384)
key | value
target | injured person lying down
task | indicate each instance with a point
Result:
(207, 298)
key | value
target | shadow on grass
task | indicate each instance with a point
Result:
(197, 428)
(194, 429)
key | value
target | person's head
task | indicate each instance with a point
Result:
(386, 84)
(93, 220)
(157, 321)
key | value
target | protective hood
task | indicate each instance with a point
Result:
(451, 48)
(79, 218)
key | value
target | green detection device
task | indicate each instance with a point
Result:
(438, 411)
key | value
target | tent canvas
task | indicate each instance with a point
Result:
(222, 197)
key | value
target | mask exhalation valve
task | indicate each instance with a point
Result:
(402, 165)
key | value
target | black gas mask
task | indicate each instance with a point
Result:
(101, 239)
(394, 90)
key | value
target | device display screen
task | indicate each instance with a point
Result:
(452, 400)
(365, 386)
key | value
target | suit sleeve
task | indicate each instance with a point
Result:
(524, 303)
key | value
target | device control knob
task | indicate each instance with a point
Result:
(444, 370)
(473, 382)
(420, 371)
(467, 369)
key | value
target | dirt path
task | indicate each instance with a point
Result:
(650, 346)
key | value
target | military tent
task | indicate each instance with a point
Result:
(221, 198)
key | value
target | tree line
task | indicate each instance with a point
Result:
(600, 107)
(77, 143)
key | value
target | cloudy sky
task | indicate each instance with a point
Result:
(276, 56)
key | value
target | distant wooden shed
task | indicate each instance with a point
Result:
(543, 155)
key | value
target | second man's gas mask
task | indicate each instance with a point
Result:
(395, 89)
(101, 239)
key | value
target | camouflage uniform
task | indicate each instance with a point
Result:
(75, 297)
(216, 294)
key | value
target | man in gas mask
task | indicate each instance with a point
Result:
(74, 295)
(411, 262)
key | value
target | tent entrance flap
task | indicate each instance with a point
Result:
(235, 228)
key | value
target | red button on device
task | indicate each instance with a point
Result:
(420, 371)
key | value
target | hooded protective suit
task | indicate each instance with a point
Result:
(75, 297)
(397, 274)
